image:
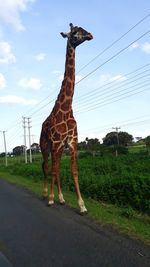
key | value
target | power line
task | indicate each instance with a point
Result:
(121, 123)
(113, 43)
(136, 123)
(112, 98)
(29, 126)
(107, 102)
(90, 73)
(25, 146)
(94, 100)
(36, 111)
(102, 63)
(13, 137)
(115, 55)
(42, 107)
(99, 55)
(115, 81)
(112, 86)
(41, 102)
(117, 135)
(6, 163)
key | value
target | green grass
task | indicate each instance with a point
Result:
(123, 181)
(125, 220)
(137, 148)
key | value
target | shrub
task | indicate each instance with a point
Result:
(123, 180)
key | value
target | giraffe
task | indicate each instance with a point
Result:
(60, 127)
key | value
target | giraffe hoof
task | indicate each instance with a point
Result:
(50, 202)
(61, 199)
(83, 210)
(62, 202)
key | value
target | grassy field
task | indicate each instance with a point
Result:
(116, 190)
(124, 181)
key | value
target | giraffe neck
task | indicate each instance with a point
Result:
(67, 89)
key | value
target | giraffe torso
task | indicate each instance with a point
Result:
(60, 128)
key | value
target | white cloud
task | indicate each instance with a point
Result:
(119, 78)
(146, 47)
(10, 12)
(12, 99)
(78, 77)
(40, 56)
(61, 77)
(57, 72)
(32, 83)
(6, 55)
(106, 78)
(134, 46)
(2, 81)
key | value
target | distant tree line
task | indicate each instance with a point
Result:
(112, 140)
(19, 150)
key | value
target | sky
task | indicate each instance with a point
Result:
(112, 70)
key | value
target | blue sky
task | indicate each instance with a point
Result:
(32, 57)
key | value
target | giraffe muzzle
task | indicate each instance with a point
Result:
(89, 36)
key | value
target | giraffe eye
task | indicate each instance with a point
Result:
(74, 32)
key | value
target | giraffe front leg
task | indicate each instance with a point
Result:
(60, 195)
(45, 171)
(75, 177)
(61, 199)
(51, 196)
(81, 204)
(55, 177)
(54, 170)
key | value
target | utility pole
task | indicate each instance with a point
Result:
(6, 163)
(29, 126)
(25, 147)
(117, 128)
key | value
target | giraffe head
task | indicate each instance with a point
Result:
(77, 35)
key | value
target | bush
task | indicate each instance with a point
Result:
(123, 180)
(86, 154)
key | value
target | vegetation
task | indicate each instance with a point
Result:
(126, 219)
(116, 189)
(114, 138)
(147, 141)
(124, 180)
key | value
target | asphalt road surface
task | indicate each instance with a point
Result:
(34, 235)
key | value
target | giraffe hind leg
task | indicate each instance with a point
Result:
(45, 172)
(56, 156)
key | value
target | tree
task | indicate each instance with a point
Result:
(82, 145)
(112, 139)
(18, 150)
(35, 147)
(2, 154)
(92, 144)
(125, 138)
(147, 142)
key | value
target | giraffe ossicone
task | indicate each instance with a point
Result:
(60, 127)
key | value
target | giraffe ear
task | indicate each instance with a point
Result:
(71, 26)
(64, 34)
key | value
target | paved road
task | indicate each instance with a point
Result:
(34, 235)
